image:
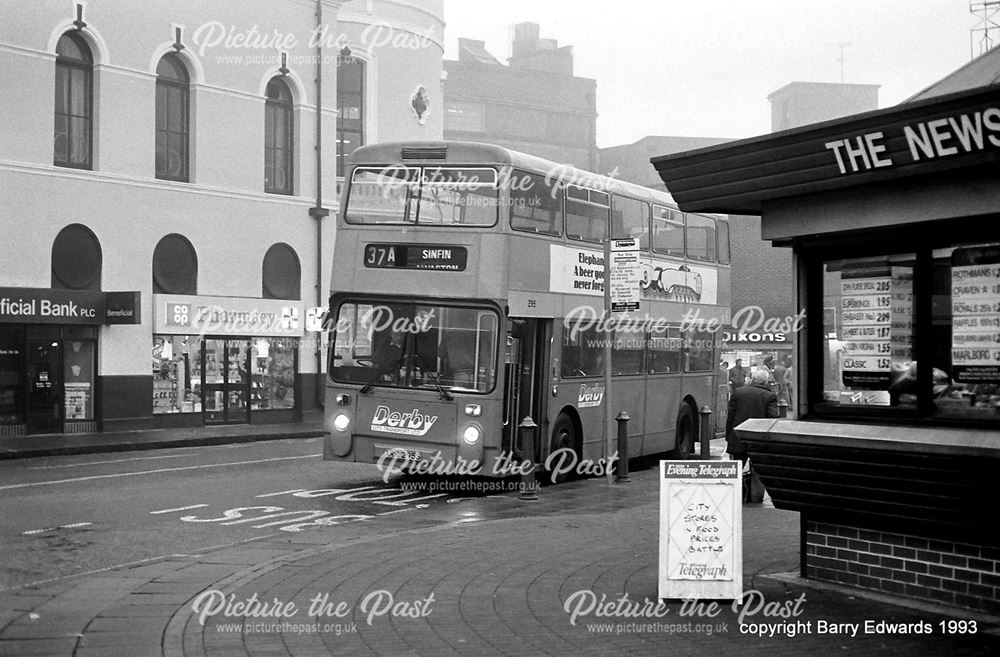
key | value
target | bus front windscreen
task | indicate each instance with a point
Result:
(434, 196)
(400, 345)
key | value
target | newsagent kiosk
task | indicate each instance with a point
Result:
(893, 216)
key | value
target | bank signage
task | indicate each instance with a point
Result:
(25, 305)
(176, 314)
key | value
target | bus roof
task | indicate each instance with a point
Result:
(476, 153)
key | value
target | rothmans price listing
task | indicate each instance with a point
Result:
(975, 310)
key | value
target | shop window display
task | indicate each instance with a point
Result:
(176, 374)
(11, 375)
(273, 376)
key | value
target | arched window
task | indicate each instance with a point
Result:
(175, 266)
(172, 126)
(76, 259)
(282, 273)
(74, 103)
(278, 150)
(351, 105)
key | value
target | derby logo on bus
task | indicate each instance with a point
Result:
(411, 423)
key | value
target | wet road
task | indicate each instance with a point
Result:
(63, 516)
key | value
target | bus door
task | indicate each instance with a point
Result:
(526, 379)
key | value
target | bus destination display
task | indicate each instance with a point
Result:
(416, 256)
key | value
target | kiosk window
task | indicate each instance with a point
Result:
(965, 325)
(917, 332)
(868, 331)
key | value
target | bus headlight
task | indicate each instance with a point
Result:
(471, 434)
(341, 421)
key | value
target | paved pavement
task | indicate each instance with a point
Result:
(496, 575)
(116, 441)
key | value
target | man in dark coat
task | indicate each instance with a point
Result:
(737, 375)
(754, 400)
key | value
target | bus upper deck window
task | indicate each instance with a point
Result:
(535, 204)
(587, 214)
(668, 231)
(458, 196)
(630, 219)
(382, 195)
(700, 237)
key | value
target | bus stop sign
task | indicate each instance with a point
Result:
(623, 275)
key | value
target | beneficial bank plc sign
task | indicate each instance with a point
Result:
(24, 305)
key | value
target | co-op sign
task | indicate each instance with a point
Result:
(25, 305)
(190, 315)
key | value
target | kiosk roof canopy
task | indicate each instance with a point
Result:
(953, 124)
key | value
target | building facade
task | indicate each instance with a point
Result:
(167, 178)
(533, 104)
(801, 103)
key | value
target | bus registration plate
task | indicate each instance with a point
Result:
(398, 453)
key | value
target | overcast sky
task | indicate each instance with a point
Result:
(704, 68)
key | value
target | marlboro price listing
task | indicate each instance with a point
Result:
(975, 311)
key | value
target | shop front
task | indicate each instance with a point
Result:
(225, 360)
(48, 357)
(894, 221)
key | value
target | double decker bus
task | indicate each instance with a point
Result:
(467, 294)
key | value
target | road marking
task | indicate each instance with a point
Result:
(284, 492)
(137, 458)
(180, 508)
(75, 525)
(157, 471)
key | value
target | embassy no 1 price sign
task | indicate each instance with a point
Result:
(701, 530)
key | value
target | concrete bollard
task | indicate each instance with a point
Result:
(622, 475)
(706, 432)
(528, 484)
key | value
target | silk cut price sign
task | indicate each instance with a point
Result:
(624, 274)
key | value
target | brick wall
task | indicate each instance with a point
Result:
(761, 273)
(956, 574)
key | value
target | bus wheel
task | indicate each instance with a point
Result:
(684, 444)
(563, 437)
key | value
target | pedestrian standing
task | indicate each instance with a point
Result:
(781, 385)
(737, 375)
(754, 400)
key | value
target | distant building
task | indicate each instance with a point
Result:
(533, 104)
(630, 162)
(803, 103)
